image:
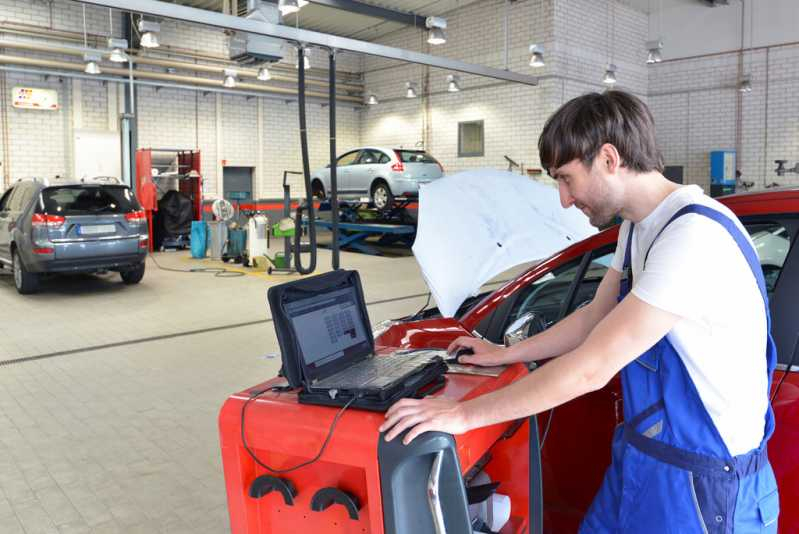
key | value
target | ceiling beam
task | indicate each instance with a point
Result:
(306, 37)
(409, 19)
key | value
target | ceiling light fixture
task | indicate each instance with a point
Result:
(654, 49)
(92, 60)
(745, 85)
(610, 75)
(537, 56)
(453, 83)
(436, 25)
(287, 7)
(230, 78)
(372, 100)
(118, 47)
(149, 33)
(306, 61)
(263, 74)
(410, 90)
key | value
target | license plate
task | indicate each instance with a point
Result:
(94, 229)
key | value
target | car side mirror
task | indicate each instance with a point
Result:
(525, 326)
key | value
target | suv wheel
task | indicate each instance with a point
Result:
(133, 275)
(382, 197)
(25, 282)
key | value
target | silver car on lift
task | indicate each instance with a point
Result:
(380, 175)
(58, 226)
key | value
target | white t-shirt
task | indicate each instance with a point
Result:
(695, 270)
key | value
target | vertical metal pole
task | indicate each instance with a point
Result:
(333, 175)
(130, 104)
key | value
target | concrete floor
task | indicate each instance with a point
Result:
(109, 394)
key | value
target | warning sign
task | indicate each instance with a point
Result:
(34, 98)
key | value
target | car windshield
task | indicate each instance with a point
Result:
(88, 199)
(415, 156)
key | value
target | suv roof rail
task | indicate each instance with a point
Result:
(33, 179)
(102, 179)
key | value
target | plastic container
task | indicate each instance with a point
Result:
(199, 237)
(217, 238)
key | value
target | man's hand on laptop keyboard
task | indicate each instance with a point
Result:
(424, 415)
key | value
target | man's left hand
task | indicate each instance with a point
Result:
(423, 416)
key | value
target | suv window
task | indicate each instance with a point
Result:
(4, 200)
(88, 200)
(348, 158)
(17, 197)
(415, 156)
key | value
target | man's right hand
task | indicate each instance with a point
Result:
(485, 354)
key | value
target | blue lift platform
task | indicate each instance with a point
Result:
(391, 228)
(354, 235)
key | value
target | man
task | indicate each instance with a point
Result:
(682, 314)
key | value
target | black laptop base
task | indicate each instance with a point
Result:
(428, 380)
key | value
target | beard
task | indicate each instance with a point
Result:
(604, 205)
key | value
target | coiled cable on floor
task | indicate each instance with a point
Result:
(220, 272)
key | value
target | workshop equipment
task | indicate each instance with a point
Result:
(257, 239)
(360, 483)
(285, 229)
(722, 172)
(159, 170)
(199, 239)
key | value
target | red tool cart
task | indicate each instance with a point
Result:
(189, 180)
(360, 483)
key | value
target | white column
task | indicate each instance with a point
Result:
(259, 169)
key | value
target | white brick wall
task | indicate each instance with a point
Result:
(514, 114)
(695, 103)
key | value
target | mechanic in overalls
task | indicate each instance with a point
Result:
(683, 315)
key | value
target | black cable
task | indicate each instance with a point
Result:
(216, 271)
(787, 369)
(307, 175)
(303, 464)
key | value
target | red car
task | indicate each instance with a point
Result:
(576, 436)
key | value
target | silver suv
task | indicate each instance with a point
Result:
(71, 226)
(379, 174)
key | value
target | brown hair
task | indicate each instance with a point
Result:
(582, 125)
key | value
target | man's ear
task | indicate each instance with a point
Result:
(609, 158)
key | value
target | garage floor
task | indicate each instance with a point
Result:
(109, 394)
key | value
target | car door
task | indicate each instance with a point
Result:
(367, 170)
(775, 239)
(575, 437)
(344, 167)
(5, 223)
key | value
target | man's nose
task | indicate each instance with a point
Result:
(566, 200)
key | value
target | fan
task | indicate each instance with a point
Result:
(222, 209)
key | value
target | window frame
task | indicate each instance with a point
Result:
(345, 154)
(461, 152)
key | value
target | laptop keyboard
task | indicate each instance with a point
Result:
(379, 371)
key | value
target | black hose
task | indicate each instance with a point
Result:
(307, 174)
(333, 173)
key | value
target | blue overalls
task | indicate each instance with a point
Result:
(671, 471)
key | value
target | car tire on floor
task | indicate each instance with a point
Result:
(25, 282)
(134, 275)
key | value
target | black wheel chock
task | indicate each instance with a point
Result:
(326, 497)
(266, 484)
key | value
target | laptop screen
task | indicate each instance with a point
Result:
(330, 330)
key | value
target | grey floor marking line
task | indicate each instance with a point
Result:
(179, 334)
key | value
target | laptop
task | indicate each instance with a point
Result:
(327, 347)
